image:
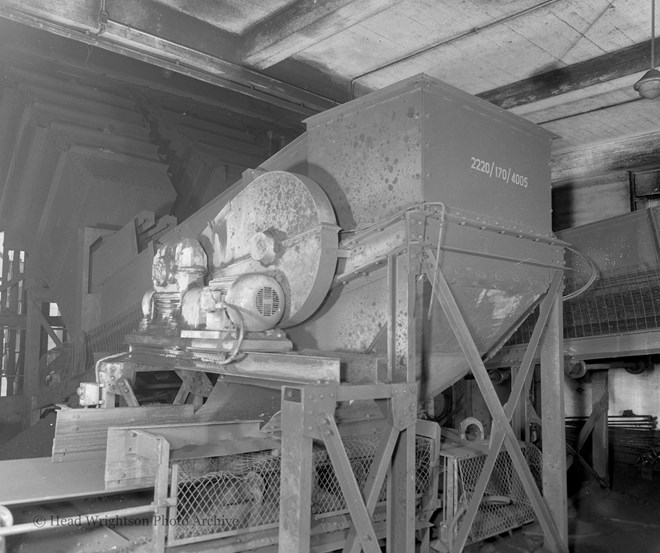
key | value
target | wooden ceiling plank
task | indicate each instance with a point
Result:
(303, 24)
(578, 76)
(176, 26)
(82, 15)
(581, 101)
(26, 46)
(186, 59)
(641, 151)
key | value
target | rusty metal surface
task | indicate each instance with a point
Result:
(421, 139)
(482, 177)
(368, 160)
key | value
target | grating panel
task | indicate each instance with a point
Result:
(505, 504)
(623, 302)
(267, 301)
(223, 496)
(57, 364)
(109, 336)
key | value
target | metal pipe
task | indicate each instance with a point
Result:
(84, 520)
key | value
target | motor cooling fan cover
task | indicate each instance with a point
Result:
(281, 225)
(259, 299)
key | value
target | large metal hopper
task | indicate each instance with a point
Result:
(485, 171)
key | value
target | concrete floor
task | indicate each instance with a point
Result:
(622, 519)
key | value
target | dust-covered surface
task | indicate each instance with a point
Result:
(36, 441)
(622, 519)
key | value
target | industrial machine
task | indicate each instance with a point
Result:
(313, 313)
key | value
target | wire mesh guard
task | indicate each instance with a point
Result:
(57, 364)
(623, 302)
(223, 496)
(505, 504)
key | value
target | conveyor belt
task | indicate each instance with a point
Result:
(40, 480)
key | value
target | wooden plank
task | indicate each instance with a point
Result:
(10, 114)
(600, 438)
(12, 320)
(115, 252)
(631, 154)
(89, 307)
(46, 326)
(10, 183)
(82, 15)
(53, 191)
(578, 76)
(19, 43)
(83, 433)
(160, 19)
(10, 349)
(186, 57)
(126, 287)
(598, 410)
(302, 24)
(32, 340)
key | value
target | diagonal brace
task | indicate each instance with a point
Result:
(514, 397)
(502, 427)
(599, 410)
(375, 480)
(349, 487)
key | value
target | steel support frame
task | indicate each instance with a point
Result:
(308, 414)
(549, 510)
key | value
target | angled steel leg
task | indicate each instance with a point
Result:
(349, 487)
(502, 429)
(374, 483)
(402, 363)
(514, 397)
(296, 476)
(553, 419)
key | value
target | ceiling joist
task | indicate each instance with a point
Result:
(84, 21)
(301, 25)
(579, 76)
(641, 151)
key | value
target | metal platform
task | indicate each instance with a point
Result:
(41, 480)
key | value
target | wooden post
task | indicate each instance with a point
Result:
(552, 415)
(599, 440)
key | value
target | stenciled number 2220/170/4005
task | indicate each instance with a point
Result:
(497, 172)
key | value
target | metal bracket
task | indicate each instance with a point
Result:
(416, 226)
(193, 382)
(116, 378)
(404, 405)
(317, 401)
